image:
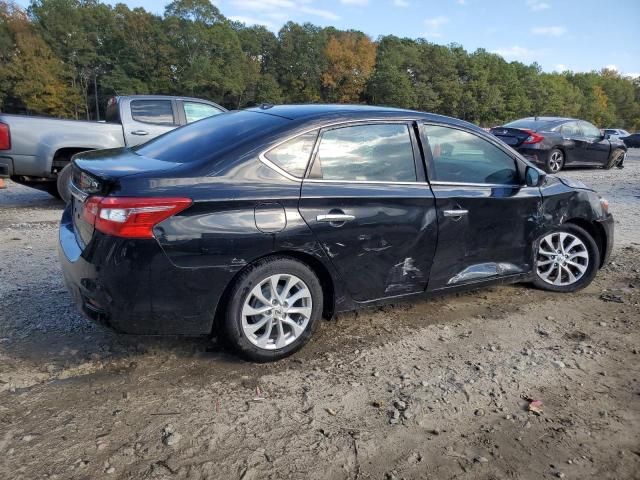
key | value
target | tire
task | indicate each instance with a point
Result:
(585, 253)
(51, 188)
(615, 159)
(555, 161)
(62, 183)
(247, 333)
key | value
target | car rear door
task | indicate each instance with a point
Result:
(486, 216)
(366, 200)
(147, 118)
(597, 147)
(574, 143)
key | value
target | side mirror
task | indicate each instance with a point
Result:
(534, 177)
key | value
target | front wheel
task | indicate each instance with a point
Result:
(275, 307)
(567, 259)
(555, 161)
(616, 159)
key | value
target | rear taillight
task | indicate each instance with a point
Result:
(5, 137)
(533, 138)
(131, 217)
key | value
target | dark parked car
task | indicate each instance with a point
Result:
(616, 132)
(257, 223)
(632, 141)
(554, 143)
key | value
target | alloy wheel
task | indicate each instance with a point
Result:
(276, 311)
(555, 161)
(562, 260)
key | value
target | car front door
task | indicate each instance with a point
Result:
(148, 118)
(597, 147)
(487, 218)
(366, 200)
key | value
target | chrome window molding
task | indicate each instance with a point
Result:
(262, 155)
(77, 193)
(468, 184)
(276, 168)
(375, 182)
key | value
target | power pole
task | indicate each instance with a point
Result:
(95, 93)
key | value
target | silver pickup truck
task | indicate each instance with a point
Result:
(34, 150)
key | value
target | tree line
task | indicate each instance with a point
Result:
(65, 58)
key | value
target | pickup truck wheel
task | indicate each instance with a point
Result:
(555, 161)
(275, 307)
(62, 184)
(615, 159)
(51, 188)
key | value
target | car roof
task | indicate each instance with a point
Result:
(309, 113)
(550, 119)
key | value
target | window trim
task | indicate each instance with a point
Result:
(270, 163)
(417, 156)
(420, 173)
(428, 157)
(173, 111)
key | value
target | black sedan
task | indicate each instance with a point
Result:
(554, 143)
(255, 224)
(632, 140)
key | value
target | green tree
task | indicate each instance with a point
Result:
(300, 61)
(206, 51)
(31, 77)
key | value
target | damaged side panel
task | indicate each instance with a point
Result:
(494, 237)
(386, 244)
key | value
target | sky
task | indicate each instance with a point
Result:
(577, 35)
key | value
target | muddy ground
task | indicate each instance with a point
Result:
(433, 390)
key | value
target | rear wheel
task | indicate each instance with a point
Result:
(567, 259)
(555, 161)
(615, 159)
(275, 307)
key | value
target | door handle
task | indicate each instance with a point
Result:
(335, 218)
(455, 213)
(140, 132)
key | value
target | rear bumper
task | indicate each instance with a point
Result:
(608, 227)
(132, 286)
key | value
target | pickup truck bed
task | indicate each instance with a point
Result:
(34, 150)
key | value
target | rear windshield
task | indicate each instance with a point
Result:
(531, 124)
(203, 140)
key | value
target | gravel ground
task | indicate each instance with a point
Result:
(437, 389)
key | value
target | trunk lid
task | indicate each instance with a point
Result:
(513, 137)
(97, 172)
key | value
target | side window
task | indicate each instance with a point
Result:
(571, 130)
(196, 111)
(293, 155)
(589, 130)
(462, 157)
(152, 111)
(367, 153)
